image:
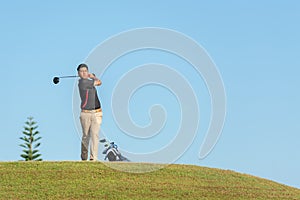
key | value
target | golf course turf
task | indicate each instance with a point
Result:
(95, 180)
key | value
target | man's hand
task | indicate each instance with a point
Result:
(97, 82)
(92, 76)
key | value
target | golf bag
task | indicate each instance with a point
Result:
(111, 151)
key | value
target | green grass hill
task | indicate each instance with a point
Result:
(95, 180)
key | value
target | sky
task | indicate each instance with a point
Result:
(254, 45)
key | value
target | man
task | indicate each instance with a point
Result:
(91, 112)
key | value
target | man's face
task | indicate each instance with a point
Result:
(83, 73)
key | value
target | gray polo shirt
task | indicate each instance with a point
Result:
(88, 94)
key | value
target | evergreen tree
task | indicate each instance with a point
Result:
(30, 141)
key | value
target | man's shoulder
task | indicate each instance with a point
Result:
(85, 81)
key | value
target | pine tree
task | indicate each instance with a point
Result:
(30, 141)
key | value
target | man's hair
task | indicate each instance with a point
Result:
(82, 66)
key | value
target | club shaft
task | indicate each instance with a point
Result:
(68, 76)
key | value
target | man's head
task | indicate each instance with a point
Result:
(83, 71)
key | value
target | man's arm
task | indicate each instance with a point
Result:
(97, 81)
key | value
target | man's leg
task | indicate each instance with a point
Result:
(85, 120)
(95, 128)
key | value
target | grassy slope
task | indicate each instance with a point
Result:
(94, 180)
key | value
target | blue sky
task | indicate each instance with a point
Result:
(254, 44)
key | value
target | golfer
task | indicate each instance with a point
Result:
(91, 112)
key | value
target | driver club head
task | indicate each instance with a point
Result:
(56, 80)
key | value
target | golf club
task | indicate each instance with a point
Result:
(56, 79)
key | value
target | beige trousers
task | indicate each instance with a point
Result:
(90, 123)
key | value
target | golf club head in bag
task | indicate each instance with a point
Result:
(103, 140)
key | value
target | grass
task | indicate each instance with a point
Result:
(95, 180)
